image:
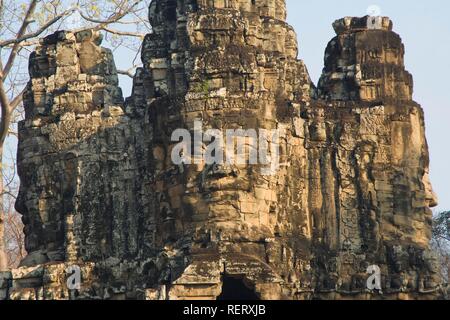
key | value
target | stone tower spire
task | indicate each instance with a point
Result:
(365, 61)
(183, 30)
(102, 194)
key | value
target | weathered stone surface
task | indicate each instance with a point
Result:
(99, 189)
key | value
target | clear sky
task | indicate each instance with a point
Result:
(425, 29)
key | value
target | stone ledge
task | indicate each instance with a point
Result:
(354, 24)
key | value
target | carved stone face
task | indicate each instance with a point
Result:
(235, 201)
(431, 197)
(232, 80)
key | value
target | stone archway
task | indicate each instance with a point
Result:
(236, 288)
(229, 277)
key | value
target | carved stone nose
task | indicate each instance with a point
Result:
(221, 171)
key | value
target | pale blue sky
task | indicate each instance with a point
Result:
(425, 29)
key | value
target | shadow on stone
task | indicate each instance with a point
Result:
(234, 288)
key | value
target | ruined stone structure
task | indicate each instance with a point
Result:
(100, 191)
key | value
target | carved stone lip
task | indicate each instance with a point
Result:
(223, 185)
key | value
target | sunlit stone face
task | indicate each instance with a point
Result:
(235, 198)
(234, 78)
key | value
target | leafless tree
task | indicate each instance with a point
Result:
(441, 241)
(14, 236)
(22, 23)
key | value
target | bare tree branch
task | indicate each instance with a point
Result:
(113, 18)
(124, 33)
(6, 112)
(17, 100)
(127, 73)
(38, 32)
(20, 28)
(23, 28)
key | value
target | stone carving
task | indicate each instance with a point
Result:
(99, 189)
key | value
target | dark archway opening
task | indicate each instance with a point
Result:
(234, 288)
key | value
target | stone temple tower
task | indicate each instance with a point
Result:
(100, 191)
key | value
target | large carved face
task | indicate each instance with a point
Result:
(243, 190)
(231, 80)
